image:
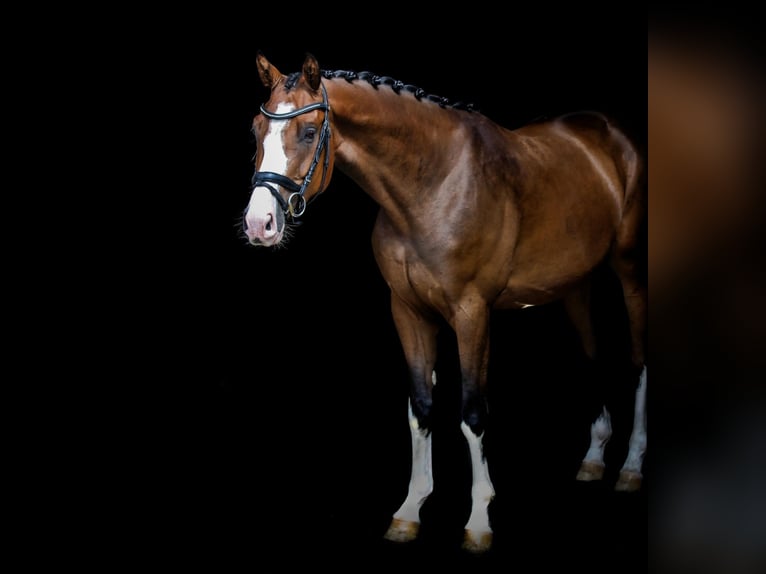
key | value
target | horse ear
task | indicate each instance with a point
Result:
(268, 73)
(311, 72)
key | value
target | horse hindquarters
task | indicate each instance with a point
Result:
(625, 259)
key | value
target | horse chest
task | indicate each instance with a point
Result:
(414, 278)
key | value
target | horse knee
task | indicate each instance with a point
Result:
(422, 405)
(475, 422)
(475, 415)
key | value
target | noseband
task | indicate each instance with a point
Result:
(296, 203)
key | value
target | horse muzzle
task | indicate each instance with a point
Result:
(263, 221)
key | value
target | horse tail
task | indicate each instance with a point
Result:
(631, 166)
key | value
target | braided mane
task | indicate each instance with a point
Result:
(397, 87)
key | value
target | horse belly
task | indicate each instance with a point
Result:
(550, 260)
(530, 291)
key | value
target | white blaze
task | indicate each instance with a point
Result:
(263, 205)
(274, 158)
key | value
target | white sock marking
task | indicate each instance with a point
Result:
(600, 433)
(637, 448)
(421, 477)
(482, 491)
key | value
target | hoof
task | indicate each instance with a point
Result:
(476, 542)
(402, 530)
(629, 481)
(590, 471)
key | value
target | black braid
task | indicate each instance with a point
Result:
(397, 86)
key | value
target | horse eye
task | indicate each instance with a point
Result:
(309, 134)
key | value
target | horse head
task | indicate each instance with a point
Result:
(294, 158)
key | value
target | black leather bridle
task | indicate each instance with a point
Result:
(296, 203)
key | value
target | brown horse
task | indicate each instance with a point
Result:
(473, 217)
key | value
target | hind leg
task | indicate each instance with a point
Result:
(636, 302)
(630, 473)
(626, 264)
(577, 306)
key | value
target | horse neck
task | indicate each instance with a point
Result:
(383, 139)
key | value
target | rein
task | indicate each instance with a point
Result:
(295, 205)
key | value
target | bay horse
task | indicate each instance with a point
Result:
(473, 217)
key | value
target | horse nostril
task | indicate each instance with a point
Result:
(268, 226)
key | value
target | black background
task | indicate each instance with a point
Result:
(276, 376)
